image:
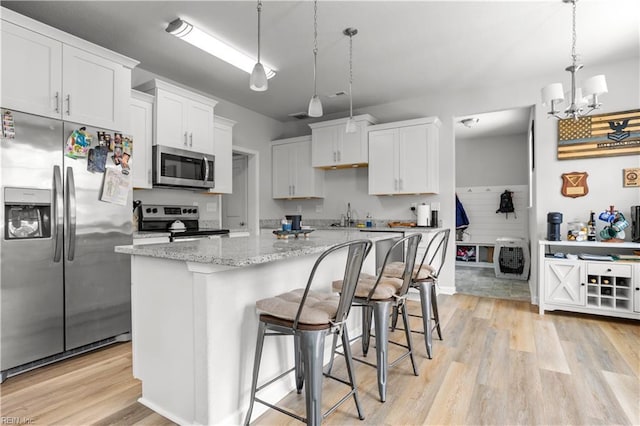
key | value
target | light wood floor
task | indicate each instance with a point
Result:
(500, 363)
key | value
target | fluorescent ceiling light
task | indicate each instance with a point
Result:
(213, 46)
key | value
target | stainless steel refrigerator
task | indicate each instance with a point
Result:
(62, 286)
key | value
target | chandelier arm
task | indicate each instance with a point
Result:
(259, 13)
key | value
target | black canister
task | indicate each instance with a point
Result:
(554, 219)
(295, 221)
(434, 218)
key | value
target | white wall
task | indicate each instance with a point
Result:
(497, 160)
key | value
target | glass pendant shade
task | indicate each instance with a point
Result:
(351, 127)
(315, 107)
(258, 81)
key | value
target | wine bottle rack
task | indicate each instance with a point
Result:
(609, 286)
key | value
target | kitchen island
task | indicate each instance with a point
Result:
(194, 321)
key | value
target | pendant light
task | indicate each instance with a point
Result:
(553, 94)
(351, 123)
(258, 80)
(315, 106)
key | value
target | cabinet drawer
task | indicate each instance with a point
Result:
(609, 269)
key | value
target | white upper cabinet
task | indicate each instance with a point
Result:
(333, 147)
(141, 130)
(223, 150)
(96, 90)
(50, 73)
(403, 157)
(32, 78)
(182, 119)
(292, 173)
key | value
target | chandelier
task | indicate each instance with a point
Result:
(553, 94)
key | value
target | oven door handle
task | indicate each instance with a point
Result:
(206, 168)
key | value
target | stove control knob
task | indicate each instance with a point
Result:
(195, 211)
(184, 211)
(148, 210)
(155, 210)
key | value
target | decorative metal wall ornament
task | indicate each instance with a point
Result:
(602, 135)
(574, 184)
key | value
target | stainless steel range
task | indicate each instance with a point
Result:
(180, 221)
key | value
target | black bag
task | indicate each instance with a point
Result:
(506, 203)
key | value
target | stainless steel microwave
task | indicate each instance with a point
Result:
(181, 168)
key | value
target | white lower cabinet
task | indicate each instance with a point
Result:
(292, 173)
(589, 286)
(403, 157)
(141, 129)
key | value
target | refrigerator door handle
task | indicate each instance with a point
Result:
(71, 214)
(57, 214)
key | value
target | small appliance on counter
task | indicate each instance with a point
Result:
(181, 222)
(554, 219)
(296, 221)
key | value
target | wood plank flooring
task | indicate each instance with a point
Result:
(500, 363)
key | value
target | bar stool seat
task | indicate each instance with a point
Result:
(309, 316)
(378, 296)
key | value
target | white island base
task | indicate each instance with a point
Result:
(195, 327)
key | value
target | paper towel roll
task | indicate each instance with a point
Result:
(423, 215)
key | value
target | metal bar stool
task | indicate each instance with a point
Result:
(378, 296)
(309, 316)
(424, 279)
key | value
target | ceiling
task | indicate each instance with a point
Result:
(402, 50)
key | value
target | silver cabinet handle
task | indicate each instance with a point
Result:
(334, 157)
(401, 184)
(294, 190)
(58, 202)
(68, 99)
(149, 177)
(395, 184)
(339, 156)
(71, 214)
(185, 139)
(191, 139)
(57, 101)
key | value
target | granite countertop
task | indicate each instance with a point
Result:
(150, 234)
(252, 250)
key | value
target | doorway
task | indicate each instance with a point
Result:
(493, 153)
(240, 209)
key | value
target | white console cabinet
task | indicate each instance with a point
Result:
(589, 286)
(54, 74)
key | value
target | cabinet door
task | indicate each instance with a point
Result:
(141, 129)
(31, 72)
(223, 141)
(413, 155)
(563, 283)
(324, 142)
(96, 90)
(200, 127)
(280, 173)
(171, 120)
(303, 174)
(352, 148)
(383, 162)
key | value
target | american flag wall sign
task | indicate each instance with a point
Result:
(602, 135)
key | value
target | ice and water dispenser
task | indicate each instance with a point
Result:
(27, 213)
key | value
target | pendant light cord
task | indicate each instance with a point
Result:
(574, 35)
(315, 45)
(350, 75)
(259, 12)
